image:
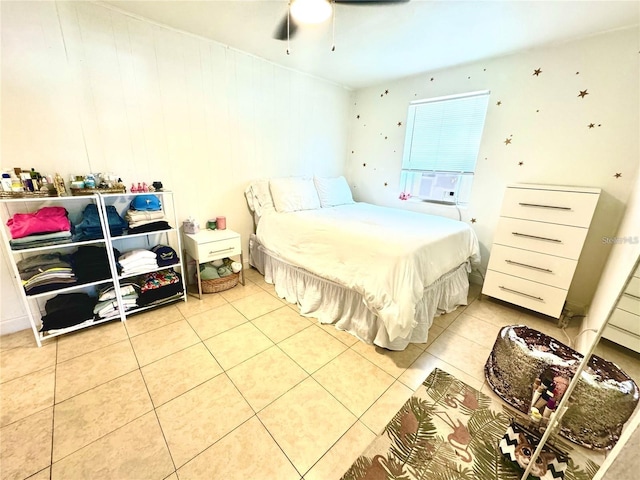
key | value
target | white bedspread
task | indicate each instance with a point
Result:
(387, 255)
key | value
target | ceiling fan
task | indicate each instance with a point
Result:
(315, 11)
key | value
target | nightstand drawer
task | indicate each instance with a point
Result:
(547, 269)
(564, 208)
(558, 240)
(534, 296)
(220, 249)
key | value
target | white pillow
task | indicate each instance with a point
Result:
(261, 201)
(291, 194)
(333, 191)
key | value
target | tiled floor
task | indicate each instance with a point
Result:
(237, 385)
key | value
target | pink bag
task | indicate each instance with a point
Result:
(45, 220)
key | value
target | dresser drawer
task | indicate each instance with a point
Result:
(626, 321)
(558, 240)
(534, 296)
(564, 208)
(220, 249)
(622, 337)
(629, 303)
(547, 269)
(633, 287)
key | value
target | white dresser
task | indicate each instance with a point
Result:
(624, 323)
(537, 243)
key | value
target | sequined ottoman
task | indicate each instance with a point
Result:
(601, 403)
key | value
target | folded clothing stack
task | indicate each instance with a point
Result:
(66, 310)
(47, 226)
(145, 215)
(137, 261)
(46, 272)
(91, 263)
(91, 228)
(107, 305)
(159, 287)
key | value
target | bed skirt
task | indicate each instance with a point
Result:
(335, 304)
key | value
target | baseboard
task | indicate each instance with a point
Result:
(13, 325)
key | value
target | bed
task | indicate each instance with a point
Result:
(379, 273)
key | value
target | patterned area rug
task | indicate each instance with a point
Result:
(448, 431)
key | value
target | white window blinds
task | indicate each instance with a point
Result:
(443, 134)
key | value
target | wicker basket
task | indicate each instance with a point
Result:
(76, 192)
(220, 284)
(36, 194)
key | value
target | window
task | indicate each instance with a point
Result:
(441, 146)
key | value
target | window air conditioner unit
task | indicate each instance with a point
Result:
(439, 187)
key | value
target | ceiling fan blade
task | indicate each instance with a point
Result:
(281, 31)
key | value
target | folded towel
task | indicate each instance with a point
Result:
(224, 271)
(208, 272)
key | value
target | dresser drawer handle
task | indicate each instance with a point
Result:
(536, 237)
(223, 250)
(543, 206)
(511, 262)
(521, 293)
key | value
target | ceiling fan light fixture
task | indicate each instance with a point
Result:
(311, 11)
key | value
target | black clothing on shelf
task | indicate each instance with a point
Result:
(66, 310)
(150, 227)
(91, 263)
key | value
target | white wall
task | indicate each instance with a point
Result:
(547, 123)
(87, 89)
(625, 251)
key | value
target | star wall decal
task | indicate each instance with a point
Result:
(357, 116)
(473, 220)
(591, 125)
(385, 137)
(507, 141)
(537, 72)
(382, 94)
(431, 79)
(386, 92)
(618, 175)
(386, 184)
(399, 124)
(520, 163)
(364, 164)
(498, 103)
(583, 93)
(353, 151)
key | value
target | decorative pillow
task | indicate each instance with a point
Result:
(291, 194)
(259, 197)
(333, 191)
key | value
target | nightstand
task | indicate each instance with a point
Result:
(208, 245)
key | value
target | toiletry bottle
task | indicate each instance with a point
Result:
(58, 181)
(16, 184)
(6, 182)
